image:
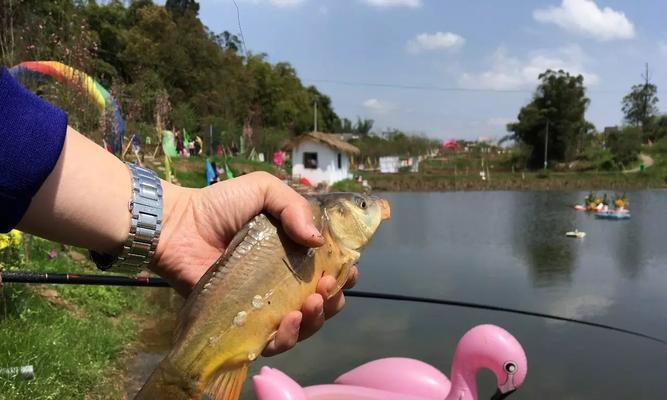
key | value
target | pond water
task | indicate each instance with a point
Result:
(508, 249)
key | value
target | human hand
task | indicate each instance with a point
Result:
(198, 224)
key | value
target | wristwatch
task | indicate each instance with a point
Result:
(145, 225)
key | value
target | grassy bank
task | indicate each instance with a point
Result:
(462, 173)
(74, 336)
(516, 181)
(191, 171)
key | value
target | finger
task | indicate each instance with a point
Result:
(352, 278)
(313, 316)
(292, 209)
(334, 305)
(326, 287)
(286, 336)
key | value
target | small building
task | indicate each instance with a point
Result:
(321, 158)
(393, 164)
(389, 164)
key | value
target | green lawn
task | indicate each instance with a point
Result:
(74, 336)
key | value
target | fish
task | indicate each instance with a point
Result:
(236, 307)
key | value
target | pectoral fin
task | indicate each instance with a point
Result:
(342, 277)
(226, 385)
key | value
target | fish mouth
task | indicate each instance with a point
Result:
(385, 210)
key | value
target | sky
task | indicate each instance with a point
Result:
(454, 68)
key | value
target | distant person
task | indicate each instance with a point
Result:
(179, 143)
(191, 148)
(54, 197)
(136, 144)
(216, 175)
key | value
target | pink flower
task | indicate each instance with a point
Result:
(53, 254)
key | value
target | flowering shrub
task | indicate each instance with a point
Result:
(10, 248)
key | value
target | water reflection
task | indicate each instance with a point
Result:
(628, 240)
(539, 238)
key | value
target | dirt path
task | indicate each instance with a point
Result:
(154, 341)
(645, 159)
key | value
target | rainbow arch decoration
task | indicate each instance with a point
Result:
(66, 75)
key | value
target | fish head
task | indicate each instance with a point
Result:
(353, 218)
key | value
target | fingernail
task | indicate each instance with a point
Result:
(313, 231)
(319, 310)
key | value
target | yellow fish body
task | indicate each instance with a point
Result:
(236, 307)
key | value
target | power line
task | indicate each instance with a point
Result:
(415, 87)
(435, 88)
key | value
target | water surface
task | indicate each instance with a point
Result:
(509, 249)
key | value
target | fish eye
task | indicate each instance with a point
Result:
(361, 202)
(510, 367)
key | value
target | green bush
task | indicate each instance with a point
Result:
(347, 185)
(624, 145)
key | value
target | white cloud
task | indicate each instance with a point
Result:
(510, 73)
(377, 106)
(435, 41)
(394, 3)
(584, 17)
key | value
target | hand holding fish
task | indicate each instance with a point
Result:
(200, 223)
(247, 301)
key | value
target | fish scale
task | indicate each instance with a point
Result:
(238, 304)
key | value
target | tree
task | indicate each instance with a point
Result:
(180, 7)
(227, 40)
(624, 145)
(559, 103)
(363, 126)
(7, 34)
(639, 106)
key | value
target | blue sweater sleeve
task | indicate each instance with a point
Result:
(32, 134)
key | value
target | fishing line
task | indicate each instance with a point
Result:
(117, 280)
(399, 297)
(238, 20)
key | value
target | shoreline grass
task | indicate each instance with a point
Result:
(74, 336)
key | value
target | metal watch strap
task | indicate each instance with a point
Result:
(145, 225)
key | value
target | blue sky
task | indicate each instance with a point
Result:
(490, 52)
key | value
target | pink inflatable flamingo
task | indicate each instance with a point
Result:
(484, 346)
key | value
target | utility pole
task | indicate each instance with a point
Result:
(645, 100)
(546, 142)
(315, 116)
(210, 140)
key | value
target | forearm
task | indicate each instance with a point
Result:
(84, 201)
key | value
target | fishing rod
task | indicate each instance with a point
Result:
(146, 281)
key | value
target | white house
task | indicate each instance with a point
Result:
(321, 157)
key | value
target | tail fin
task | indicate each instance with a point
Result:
(164, 384)
(226, 384)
